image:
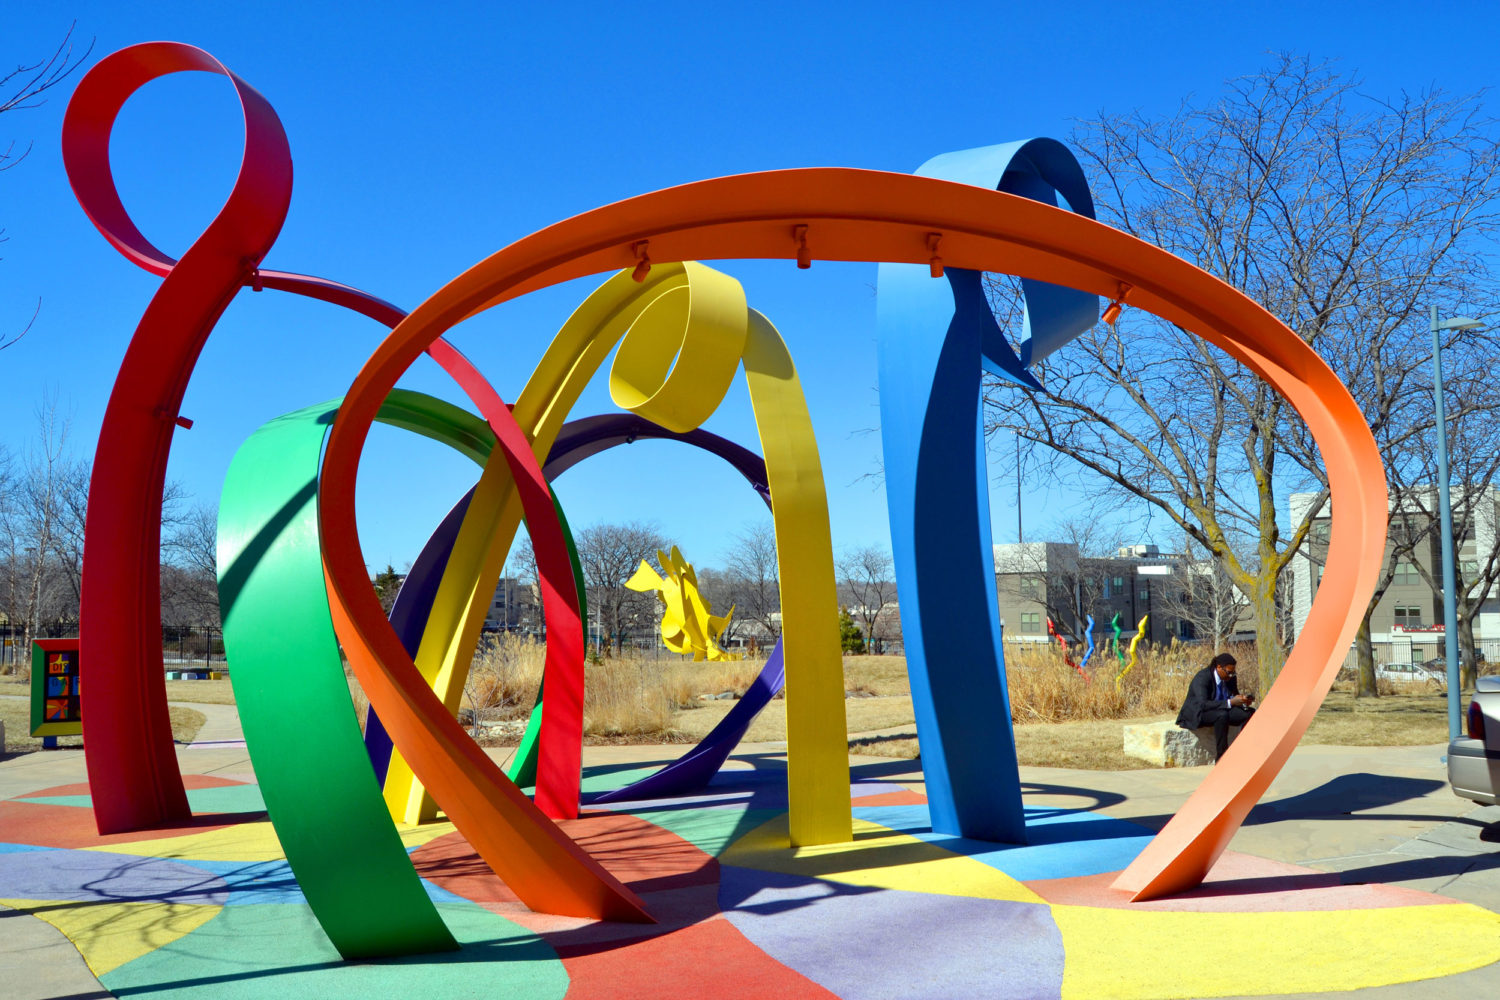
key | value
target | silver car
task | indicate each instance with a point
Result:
(1410, 673)
(1474, 760)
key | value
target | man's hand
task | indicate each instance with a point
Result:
(1242, 699)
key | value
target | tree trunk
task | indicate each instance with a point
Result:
(1468, 665)
(1267, 637)
(1365, 653)
(31, 627)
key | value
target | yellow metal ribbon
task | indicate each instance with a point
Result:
(683, 332)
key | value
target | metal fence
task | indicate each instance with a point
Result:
(12, 642)
(1404, 650)
(184, 645)
(181, 645)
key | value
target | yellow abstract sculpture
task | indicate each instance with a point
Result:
(688, 624)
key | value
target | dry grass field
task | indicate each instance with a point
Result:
(17, 718)
(1061, 719)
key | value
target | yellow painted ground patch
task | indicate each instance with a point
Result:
(246, 842)
(879, 858)
(416, 836)
(1139, 954)
(108, 935)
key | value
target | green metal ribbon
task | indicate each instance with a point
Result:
(299, 721)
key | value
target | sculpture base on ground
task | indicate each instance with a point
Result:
(1165, 745)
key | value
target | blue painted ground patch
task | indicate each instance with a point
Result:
(1064, 843)
(19, 848)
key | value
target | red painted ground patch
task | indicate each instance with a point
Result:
(706, 961)
(903, 797)
(642, 855)
(680, 886)
(189, 781)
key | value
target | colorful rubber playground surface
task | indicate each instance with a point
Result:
(212, 908)
(680, 888)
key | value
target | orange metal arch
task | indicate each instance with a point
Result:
(859, 215)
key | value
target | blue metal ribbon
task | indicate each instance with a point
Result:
(934, 339)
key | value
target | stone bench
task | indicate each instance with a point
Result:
(1163, 744)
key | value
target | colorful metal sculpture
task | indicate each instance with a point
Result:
(704, 313)
(588, 436)
(684, 320)
(688, 624)
(1088, 636)
(578, 440)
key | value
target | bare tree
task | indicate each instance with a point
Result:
(190, 550)
(521, 568)
(1201, 593)
(867, 581)
(1342, 215)
(718, 589)
(1067, 574)
(20, 89)
(1408, 446)
(38, 501)
(610, 554)
(1474, 463)
(757, 577)
(43, 508)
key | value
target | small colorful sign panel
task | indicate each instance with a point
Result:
(55, 708)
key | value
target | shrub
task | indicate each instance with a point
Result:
(1043, 688)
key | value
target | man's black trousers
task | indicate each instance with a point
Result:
(1221, 719)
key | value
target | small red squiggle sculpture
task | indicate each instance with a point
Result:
(1067, 652)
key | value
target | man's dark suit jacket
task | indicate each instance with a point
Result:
(1200, 696)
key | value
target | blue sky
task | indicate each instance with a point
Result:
(423, 141)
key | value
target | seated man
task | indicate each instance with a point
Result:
(1214, 699)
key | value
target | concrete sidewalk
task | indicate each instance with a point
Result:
(1372, 814)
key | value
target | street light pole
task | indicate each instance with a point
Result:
(1445, 514)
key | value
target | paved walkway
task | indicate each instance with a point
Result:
(1371, 814)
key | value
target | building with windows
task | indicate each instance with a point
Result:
(1407, 624)
(1040, 580)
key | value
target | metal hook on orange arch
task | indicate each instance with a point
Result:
(935, 262)
(804, 255)
(1112, 311)
(641, 251)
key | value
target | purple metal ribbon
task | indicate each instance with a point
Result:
(580, 439)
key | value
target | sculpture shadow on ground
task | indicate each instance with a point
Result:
(1345, 795)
